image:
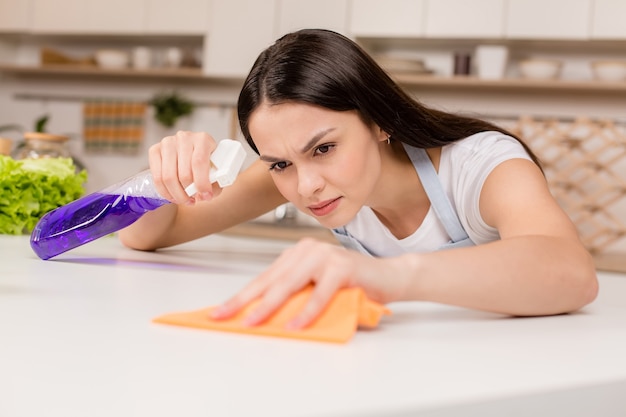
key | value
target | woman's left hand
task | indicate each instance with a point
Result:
(329, 267)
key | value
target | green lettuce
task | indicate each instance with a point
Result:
(29, 188)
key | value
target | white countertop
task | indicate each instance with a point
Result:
(76, 339)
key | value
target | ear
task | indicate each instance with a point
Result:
(382, 136)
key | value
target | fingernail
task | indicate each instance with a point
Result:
(206, 195)
(294, 324)
(251, 320)
(218, 312)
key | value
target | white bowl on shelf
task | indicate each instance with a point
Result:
(609, 70)
(540, 69)
(112, 58)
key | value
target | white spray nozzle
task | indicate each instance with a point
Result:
(226, 162)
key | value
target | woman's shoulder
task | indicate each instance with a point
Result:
(485, 146)
(464, 167)
(485, 141)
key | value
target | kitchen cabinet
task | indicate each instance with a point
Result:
(181, 17)
(476, 19)
(235, 31)
(465, 19)
(15, 15)
(608, 19)
(116, 16)
(60, 16)
(125, 17)
(239, 31)
(301, 14)
(88, 16)
(548, 19)
(391, 18)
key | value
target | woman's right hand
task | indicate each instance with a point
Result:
(180, 160)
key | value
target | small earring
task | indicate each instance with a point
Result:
(388, 139)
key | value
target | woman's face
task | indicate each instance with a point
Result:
(326, 163)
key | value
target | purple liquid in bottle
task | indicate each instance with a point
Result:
(87, 219)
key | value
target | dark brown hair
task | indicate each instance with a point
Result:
(326, 69)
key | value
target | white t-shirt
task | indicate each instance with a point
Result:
(464, 165)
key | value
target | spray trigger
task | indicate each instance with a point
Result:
(226, 161)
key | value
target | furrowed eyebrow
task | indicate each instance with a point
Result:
(269, 159)
(309, 145)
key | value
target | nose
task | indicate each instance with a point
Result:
(310, 181)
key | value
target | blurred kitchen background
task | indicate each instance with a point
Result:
(552, 70)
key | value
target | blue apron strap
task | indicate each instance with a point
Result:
(348, 241)
(438, 199)
(436, 194)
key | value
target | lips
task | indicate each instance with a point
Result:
(325, 207)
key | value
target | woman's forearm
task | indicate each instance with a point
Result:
(252, 195)
(149, 231)
(525, 275)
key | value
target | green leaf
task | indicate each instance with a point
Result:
(40, 124)
(29, 188)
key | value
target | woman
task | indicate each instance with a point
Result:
(395, 180)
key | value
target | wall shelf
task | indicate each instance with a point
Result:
(469, 82)
(190, 74)
(406, 80)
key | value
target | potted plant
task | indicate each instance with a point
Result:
(170, 107)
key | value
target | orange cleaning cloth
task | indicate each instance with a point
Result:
(347, 310)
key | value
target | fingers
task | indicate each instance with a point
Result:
(201, 166)
(327, 266)
(180, 160)
(175, 168)
(156, 168)
(273, 285)
(324, 291)
(251, 292)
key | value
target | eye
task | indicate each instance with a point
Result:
(279, 166)
(324, 149)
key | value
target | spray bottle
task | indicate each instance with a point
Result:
(118, 206)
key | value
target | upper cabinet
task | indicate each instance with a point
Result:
(88, 16)
(239, 30)
(488, 19)
(390, 18)
(609, 19)
(549, 19)
(465, 19)
(303, 14)
(234, 32)
(180, 17)
(123, 17)
(15, 15)
(116, 16)
(61, 16)
(435, 19)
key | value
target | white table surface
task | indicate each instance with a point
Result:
(76, 339)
